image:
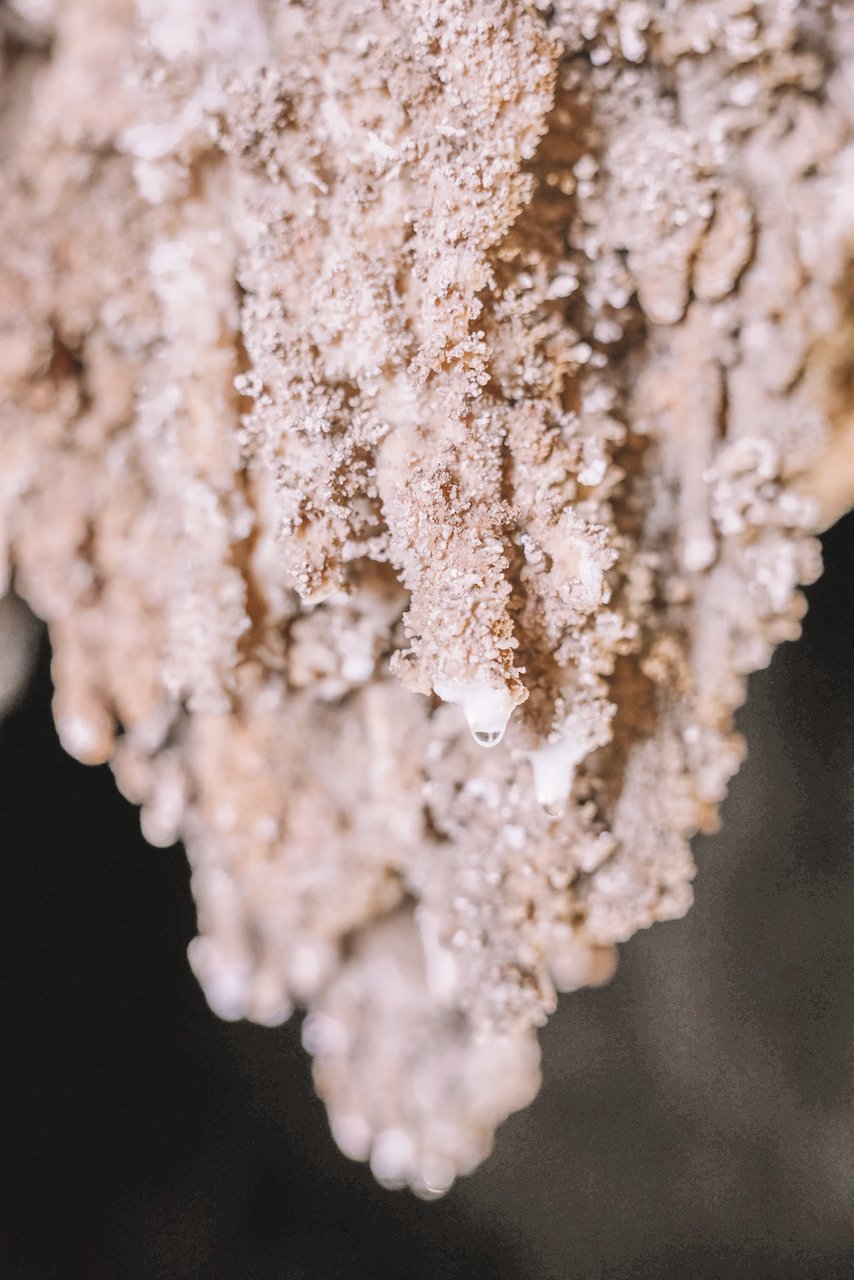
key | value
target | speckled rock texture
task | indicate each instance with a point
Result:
(415, 419)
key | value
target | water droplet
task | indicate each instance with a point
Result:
(554, 771)
(554, 808)
(487, 709)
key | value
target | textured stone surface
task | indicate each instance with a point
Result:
(363, 373)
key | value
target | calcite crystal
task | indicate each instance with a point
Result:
(383, 382)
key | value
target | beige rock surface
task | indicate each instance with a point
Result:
(365, 370)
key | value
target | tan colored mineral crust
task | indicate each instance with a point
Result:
(17, 646)
(370, 368)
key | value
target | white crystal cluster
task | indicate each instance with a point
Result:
(381, 383)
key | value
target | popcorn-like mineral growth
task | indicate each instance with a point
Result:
(373, 373)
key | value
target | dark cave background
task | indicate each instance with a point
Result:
(696, 1117)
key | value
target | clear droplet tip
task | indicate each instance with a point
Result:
(487, 737)
(553, 808)
(486, 709)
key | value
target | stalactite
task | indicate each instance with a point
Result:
(381, 383)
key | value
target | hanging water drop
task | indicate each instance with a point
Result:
(486, 737)
(486, 708)
(554, 771)
(554, 808)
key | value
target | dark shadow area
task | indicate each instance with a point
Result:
(697, 1116)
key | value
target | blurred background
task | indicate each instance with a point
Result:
(696, 1117)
